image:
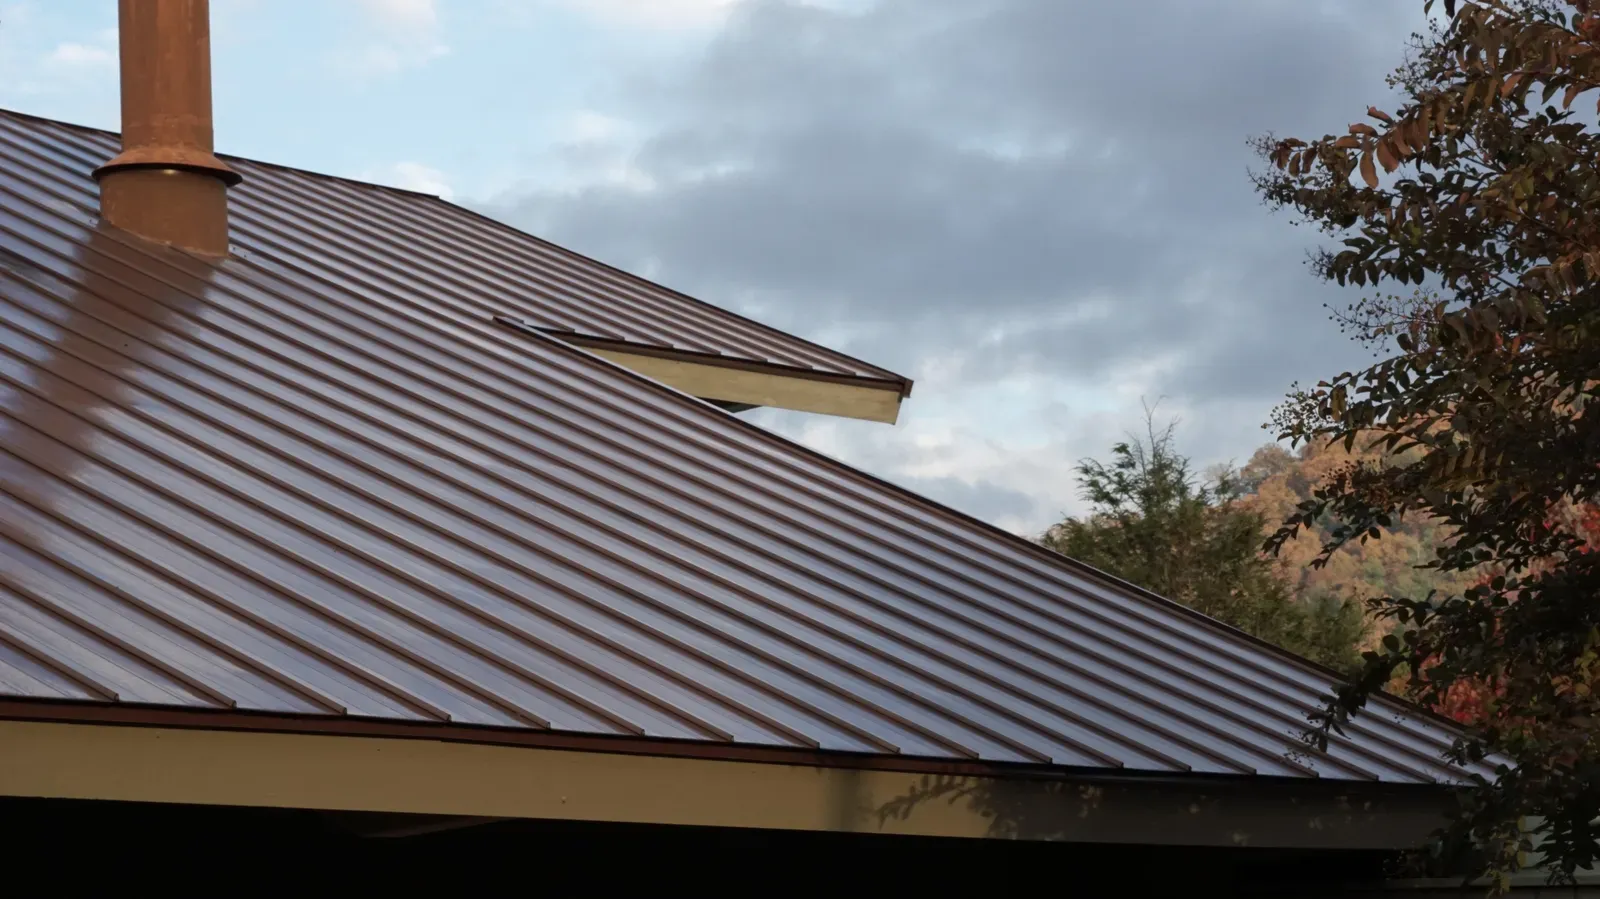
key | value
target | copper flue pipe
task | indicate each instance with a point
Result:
(167, 185)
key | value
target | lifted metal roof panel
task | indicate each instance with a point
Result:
(389, 240)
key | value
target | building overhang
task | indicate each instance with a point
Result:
(740, 383)
(259, 761)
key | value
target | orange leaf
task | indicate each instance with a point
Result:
(1511, 84)
(1386, 156)
(1348, 142)
(1377, 113)
(1397, 139)
(1418, 135)
(1363, 128)
(1572, 94)
(1369, 172)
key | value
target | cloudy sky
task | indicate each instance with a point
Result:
(1038, 209)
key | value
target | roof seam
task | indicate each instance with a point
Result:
(25, 645)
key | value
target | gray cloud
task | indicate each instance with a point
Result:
(1008, 187)
(986, 501)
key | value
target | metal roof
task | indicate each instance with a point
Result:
(318, 480)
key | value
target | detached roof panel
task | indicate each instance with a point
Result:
(318, 480)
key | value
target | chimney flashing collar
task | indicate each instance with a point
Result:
(189, 159)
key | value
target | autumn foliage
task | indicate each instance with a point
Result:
(1476, 702)
(1278, 480)
(1472, 215)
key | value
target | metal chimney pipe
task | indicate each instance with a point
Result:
(166, 185)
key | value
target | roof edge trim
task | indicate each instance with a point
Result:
(723, 384)
(228, 157)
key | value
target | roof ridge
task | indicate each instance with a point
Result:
(107, 132)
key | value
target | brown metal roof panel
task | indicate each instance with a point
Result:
(96, 510)
(622, 296)
(793, 512)
(324, 467)
(1293, 710)
(194, 400)
(578, 525)
(101, 483)
(550, 296)
(438, 654)
(147, 647)
(25, 673)
(82, 195)
(72, 661)
(170, 415)
(109, 596)
(1107, 614)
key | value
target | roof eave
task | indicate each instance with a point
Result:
(215, 757)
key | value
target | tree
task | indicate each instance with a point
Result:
(1487, 208)
(1153, 524)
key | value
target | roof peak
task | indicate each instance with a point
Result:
(231, 157)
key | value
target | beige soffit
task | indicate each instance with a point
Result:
(734, 385)
(423, 776)
(744, 383)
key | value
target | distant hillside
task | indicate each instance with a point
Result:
(1276, 480)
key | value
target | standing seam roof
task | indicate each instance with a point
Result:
(317, 479)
